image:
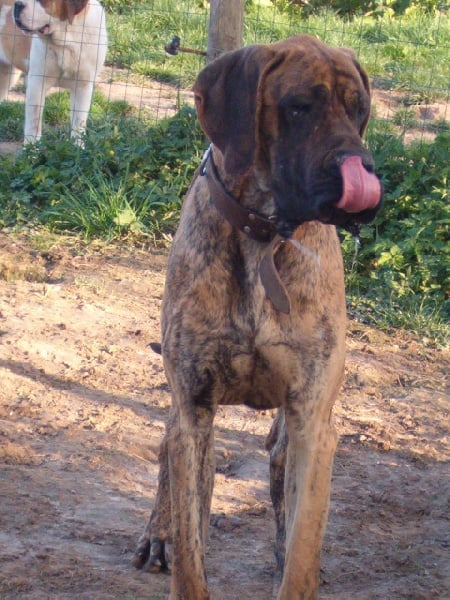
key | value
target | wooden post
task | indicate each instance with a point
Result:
(226, 25)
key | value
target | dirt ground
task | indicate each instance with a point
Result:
(83, 401)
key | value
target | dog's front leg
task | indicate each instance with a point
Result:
(80, 104)
(37, 86)
(38, 83)
(191, 470)
(8, 79)
(153, 549)
(310, 453)
(180, 517)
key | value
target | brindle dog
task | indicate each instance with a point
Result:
(254, 304)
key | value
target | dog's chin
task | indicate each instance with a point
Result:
(341, 218)
(328, 216)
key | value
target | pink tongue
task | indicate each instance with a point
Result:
(361, 189)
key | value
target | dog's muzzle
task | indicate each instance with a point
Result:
(18, 9)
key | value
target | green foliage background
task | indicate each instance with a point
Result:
(351, 8)
(401, 274)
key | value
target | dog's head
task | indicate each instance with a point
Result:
(36, 16)
(295, 111)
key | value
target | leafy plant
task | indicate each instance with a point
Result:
(11, 120)
(128, 180)
(405, 256)
(350, 8)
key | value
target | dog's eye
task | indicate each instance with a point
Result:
(356, 108)
(295, 111)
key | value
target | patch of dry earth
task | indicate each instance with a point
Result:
(83, 402)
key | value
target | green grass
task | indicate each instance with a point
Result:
(127, 181)
(409, 53)
(404, 52)
(138, 36)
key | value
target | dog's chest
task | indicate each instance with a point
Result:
(258, 377)
(228, 360)
(223, 339)
(62, 62)
(69, 54)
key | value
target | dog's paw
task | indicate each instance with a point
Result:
(141, 553)
(153, 556)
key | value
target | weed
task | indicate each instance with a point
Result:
(403, 268)
(128, 180)
(405, 118)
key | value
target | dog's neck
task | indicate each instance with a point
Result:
(248, 186)
(256, 226)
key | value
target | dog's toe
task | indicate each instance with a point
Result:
(157, 560)
(153, 556)
(141, 553)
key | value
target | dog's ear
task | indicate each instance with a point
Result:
(72, 8)
(365, 82)
(226, 100)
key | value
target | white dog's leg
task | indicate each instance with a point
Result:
(8, 79)
(80, 103)
(39, 81)
(37, 86)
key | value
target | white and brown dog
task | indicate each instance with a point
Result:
(57, 43)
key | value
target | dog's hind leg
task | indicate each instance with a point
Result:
(8, 79)
(153, 550)
(276, 444)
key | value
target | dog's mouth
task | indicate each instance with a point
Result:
(353, 197)
(361, 189)
(361, 196)
(45, 30)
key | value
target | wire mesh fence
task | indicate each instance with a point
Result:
(143, 143)
(406, 54)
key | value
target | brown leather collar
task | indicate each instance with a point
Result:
(256, 226)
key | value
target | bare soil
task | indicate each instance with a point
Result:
(83, 402)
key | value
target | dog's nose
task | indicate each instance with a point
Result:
(366, 158)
